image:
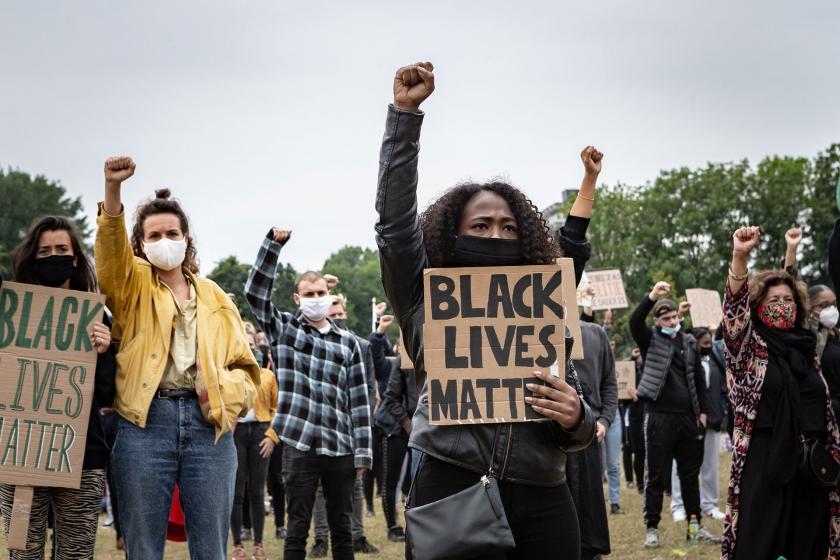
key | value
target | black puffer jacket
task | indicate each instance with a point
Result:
(531, 453)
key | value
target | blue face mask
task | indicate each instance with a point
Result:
(670, 331)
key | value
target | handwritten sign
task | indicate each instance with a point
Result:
(625, 376)
(609, 289)
(47, 369)
(487, 330)
(706, 307)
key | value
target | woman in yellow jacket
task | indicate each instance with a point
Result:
(255, 440)
(185, 373)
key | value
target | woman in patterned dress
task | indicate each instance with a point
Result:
(778, 392)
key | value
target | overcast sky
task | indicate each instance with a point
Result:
(266, 113)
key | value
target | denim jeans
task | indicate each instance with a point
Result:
(612, 442)
(176, 446)
(302, 471)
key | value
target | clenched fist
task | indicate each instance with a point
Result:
(793, 236)
(118, 169)
(412, 85)
(659, 291)
(591, 158)
(281, 235)
(745, 239)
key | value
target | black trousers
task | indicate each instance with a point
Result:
(275, 485)
(635, 444)
(394, 452)
(374, 475)
(669, 437)
(251, 473)
(543, 520)
(302, 471)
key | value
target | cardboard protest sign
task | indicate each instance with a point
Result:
(625, 376)
(487, 330)
(567, 265)
(47, 369)
(405, 360)
(609, 289)
(706, 307)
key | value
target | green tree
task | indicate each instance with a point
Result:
(231, 275)
(821, 213)
(358, 271)
(284, 287)
(26, 198)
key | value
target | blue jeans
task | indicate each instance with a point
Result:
(612, 442)
(176, 446)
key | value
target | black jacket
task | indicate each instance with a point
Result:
(381, 349)
(401, 396)
(529, 453)
(717, 395)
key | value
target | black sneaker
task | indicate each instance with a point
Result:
(319, 550)
(615, 509)
(280, 533)
(362, 545)
(396, 534)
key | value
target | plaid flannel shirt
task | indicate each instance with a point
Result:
(322, 400)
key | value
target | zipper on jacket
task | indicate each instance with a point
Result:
(506, 456)
(490, 470)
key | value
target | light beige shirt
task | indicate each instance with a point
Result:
(180, 365)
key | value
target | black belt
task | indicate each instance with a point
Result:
(176, 394)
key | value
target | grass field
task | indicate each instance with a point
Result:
(626, 533)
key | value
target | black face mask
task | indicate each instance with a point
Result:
(471, 250)
(340, 323)
(705, 350)
(257, 356)
(54, 270)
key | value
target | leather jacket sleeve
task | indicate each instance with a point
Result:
(582, 436)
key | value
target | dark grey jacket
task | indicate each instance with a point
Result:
(658, 362)
(528, 453)
(596, 372)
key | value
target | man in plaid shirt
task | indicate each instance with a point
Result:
(323, 419)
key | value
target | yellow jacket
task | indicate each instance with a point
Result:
(143, 311)
(265, 405)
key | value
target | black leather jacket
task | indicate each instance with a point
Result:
(532, 453)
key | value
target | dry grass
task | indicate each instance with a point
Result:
(627, 533)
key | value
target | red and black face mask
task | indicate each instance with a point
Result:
(778, 315)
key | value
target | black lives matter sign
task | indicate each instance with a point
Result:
(47, 370)
(486, 331)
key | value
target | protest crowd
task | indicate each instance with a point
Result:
(486, 429)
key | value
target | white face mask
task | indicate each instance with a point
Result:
(316, 309)
(166, 254)
(829, 316)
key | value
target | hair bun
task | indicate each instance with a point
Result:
(163, 194)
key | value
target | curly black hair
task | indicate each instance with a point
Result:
(440, 222)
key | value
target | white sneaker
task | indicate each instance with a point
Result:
(715, 514)
(678, 515)
(652, 538)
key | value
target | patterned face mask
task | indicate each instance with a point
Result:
(779, 315)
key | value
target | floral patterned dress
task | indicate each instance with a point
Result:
(746, 365)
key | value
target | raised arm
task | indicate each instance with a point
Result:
(572, 236)
(736, 305)
(115, 261)
(793, 237)
(638, 328)
(401, 250)
(260, 284)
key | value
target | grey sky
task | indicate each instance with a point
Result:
(271, 113)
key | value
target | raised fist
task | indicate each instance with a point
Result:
(659, 291)
(591, 158)
(685, 307)
(384, 322)
(793, 236)
(745, 239)
(118, 169)
(281, 235)
(380, 308)
(412, 85)
(332, 281)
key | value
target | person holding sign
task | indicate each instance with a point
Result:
(185, 374)
(675, 410)
(491, 224)
(783, 497)
(52, 254)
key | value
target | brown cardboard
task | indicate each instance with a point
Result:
(625, 376)
(405, 360)
(21, 512)
(706, 307)
(482, 347)
(47, 370)
(572, 317)
(609, 289)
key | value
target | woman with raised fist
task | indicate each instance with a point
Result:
(185, 374)
(783, 499)
(482, 224)
(52, 254)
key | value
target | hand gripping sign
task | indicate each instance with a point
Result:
(487, 329)
(47, 370)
